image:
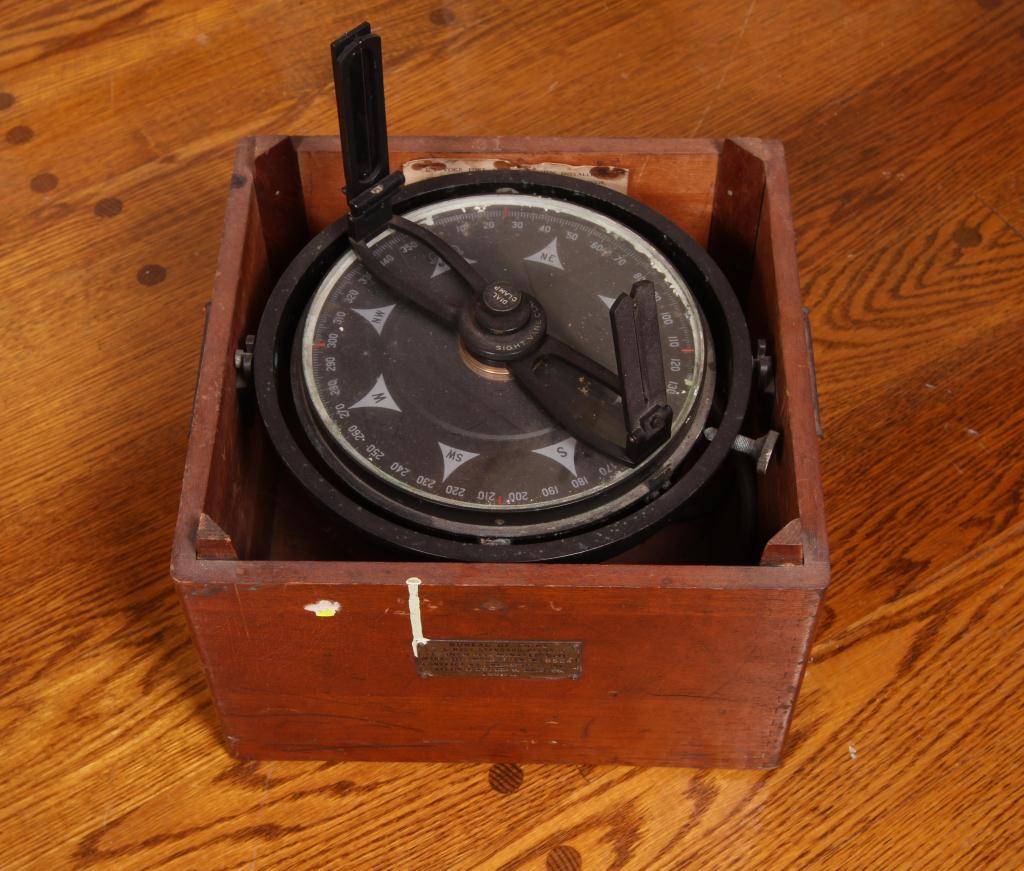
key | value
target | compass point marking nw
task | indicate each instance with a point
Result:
(375, 316)
(378, 397)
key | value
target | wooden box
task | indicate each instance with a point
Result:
(304, 629)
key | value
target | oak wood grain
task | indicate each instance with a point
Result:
(902, 127)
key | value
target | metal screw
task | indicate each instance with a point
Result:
(761, 449)
(764, 368)
(243, 359)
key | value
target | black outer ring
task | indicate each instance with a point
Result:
(290, 297)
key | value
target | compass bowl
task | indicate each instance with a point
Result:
(345, 458)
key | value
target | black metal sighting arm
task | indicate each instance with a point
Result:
(359, 90)
(637, 337)
(459, 264)
(410, 291)
(370, 187)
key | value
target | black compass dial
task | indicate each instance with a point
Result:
(397, 393)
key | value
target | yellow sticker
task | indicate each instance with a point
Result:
(323, 608)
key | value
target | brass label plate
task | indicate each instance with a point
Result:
(529, 659)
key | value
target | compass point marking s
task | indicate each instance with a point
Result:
(563, 453)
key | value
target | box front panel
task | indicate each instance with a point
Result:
(650, 675)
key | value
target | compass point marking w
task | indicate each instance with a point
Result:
(378, 397)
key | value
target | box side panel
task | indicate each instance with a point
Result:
(737, 210)
(668, 676)
(235, 496)
(229, 471)
(204, 463)
(775, 306)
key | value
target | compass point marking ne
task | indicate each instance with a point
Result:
(548, 255)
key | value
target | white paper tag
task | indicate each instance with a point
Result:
(614, 177)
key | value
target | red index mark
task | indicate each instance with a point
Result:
(504, 212)
(501, 500)
(320, 344)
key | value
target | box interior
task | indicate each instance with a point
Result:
(252, 509)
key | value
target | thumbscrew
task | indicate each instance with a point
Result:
(760, 449)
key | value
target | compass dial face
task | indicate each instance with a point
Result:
(395, 393)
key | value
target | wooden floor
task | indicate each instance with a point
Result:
(903, 125)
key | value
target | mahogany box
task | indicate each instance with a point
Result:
(304, 628)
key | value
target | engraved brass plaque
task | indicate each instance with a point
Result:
(530, 659)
